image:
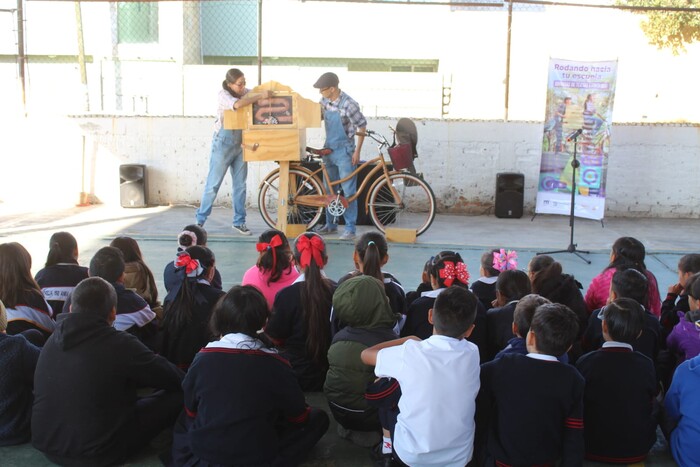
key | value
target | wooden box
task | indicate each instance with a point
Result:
(400, 235)
(278, 145)
(274, 129)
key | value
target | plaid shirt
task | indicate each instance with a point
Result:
(350, 113)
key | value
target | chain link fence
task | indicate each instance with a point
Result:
(477, 60)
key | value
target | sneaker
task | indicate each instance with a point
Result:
(347, 235)
(242, 229)
(325, 230)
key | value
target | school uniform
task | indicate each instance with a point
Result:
(439, 383)
(288, 329)
(58, 281)
(171, 279)
(18, 360)
(530, 411)
(133, 315)
(619, 404)
(649, 343)
(670, 308)
(413, 295)
(417, 322)
(32, 311)
(499, 328)
(263, 422)
(485, 290)
(180, 346)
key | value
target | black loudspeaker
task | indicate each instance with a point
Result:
(510, 189)
(132, 186)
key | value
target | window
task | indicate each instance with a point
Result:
(137, 22)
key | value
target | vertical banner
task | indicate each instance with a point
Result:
(579, 97)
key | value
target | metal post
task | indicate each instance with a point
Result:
(510, 22)
(81, 55)
(21, 57)
(260, 24)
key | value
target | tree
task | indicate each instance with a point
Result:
(669, 29)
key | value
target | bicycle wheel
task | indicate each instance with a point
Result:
(415, 210)
(299, 184)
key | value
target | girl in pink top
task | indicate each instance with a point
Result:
(274, 269)
(627, 252)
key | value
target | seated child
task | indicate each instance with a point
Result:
(522, 317)
(137, 275)
(439, 384)
(530, 407)
(362, 305)
(188, 307)
(677, 296)
(447, 269)
(511, 286)
(628, 283)
(485, 286)
(243, 405)
(684, 340)
(274, 269)
(299, 324)
(133, 313)
(18, 360)
(61, 272)
(191, 235)
(370, 255)
(615, 432)
(424, 285)
(683, 408)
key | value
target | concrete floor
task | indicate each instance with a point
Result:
(156, 230)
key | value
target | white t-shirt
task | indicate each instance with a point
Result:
(439, 380)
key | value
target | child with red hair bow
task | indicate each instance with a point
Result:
(274, 269)
(300, 321)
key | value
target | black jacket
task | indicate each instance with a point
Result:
(85, 388)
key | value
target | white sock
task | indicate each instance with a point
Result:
(386, 445)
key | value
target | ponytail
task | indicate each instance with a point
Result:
(62, 246)
(371, 250)
(316, 295)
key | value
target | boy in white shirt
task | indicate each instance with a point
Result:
(439, 380)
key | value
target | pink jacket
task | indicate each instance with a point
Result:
(256, 277)
(599, 291)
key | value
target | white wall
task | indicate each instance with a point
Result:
(652, 169)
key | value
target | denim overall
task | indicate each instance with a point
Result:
(226, 154)
(339, 164)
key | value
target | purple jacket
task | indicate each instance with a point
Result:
(684, 340)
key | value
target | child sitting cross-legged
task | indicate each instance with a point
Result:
(530, 407)
(615, 432)
(439, 383)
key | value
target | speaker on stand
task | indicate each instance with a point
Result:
(510, 195)
(132, 186)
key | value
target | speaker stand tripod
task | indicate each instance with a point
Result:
(572, 246)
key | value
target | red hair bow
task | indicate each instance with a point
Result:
(186, 261)
(274, 242)
(453, 271)
(310, 247)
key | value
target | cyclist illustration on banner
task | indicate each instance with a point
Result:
(579, 97)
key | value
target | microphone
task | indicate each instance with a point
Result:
(575, 134)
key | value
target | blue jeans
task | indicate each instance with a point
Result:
(339, 165)
(226, 153)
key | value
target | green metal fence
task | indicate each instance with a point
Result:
(478, 60)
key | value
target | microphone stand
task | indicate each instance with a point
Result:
(572, 246)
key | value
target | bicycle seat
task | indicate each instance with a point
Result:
(318, 152)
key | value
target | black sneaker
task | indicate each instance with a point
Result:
(242, 229)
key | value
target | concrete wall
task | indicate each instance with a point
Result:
(652, 168)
